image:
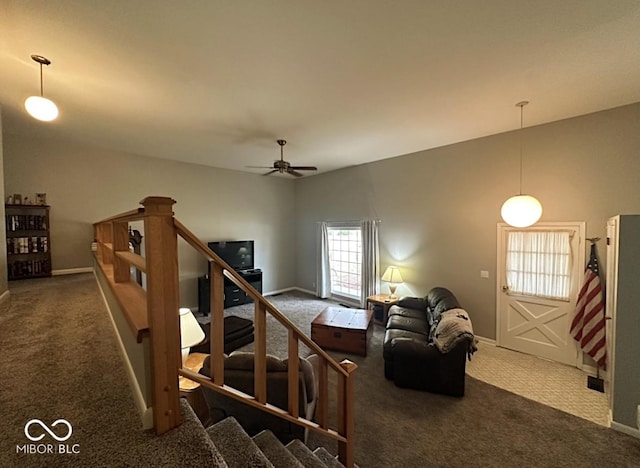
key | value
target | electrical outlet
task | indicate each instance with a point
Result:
(484, 274)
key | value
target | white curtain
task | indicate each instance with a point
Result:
(539, 263)
(323, 273)
(370, 260)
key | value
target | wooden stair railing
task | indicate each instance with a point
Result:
(156, 312)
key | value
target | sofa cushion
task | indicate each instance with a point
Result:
(407, 312)
(242, 360)
(416, 325)
(418, 303)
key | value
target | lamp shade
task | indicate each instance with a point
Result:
(190, 331)
(392, 275)
(521, 211)
(41, 108)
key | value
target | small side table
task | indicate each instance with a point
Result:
(383, 300)
(192, 391)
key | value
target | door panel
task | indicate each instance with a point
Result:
(535, 325)
(536, 328)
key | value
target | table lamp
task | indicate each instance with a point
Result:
(190, 332)
(394, 278)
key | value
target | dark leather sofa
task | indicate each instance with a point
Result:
(415, 355)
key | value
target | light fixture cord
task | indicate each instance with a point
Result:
(41, 85)
(521, 106)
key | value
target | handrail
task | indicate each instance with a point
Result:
(131, 215)
(162, 322)
(252, 292)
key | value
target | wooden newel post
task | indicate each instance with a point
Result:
(346, 450)
(162, 309)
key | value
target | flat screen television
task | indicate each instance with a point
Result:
(238, 254)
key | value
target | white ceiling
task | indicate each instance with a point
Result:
(344, 81)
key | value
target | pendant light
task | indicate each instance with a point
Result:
(40, 107)
(521, 210)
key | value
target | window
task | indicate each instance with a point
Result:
(539, 263)
(345, 260)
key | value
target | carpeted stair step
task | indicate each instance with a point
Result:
(328, 459)
(275, 451)
(304, 454)
(186, 445)
(235, 445)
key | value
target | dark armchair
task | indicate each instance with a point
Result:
(238, 373)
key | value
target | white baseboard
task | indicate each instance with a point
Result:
(307, 291)
(488, 341)
(72, 271)
(278, 291)
(625, 429)
(146, 413)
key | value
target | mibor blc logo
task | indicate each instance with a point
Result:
(60, 430)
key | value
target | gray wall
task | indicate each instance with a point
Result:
(440, 208)
(85, 184)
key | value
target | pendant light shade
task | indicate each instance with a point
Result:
(39, 107)
(521, 210)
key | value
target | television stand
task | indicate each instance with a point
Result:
(233, 295)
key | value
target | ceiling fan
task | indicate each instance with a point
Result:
(283, 166)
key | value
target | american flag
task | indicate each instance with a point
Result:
(588, 325)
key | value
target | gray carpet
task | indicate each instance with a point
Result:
(60, 360)
(487, 427)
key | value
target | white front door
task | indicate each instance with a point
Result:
(530, 322)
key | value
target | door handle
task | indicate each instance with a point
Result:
(607, 317)
(505, 288)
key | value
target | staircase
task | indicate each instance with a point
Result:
(234, 448)
(153, 343)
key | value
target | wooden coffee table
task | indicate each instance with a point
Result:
(343, 329)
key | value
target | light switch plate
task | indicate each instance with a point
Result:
(484, 274)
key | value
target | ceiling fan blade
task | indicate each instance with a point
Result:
(270, 172)
(304, 168)
(292, 172)
(259, 167)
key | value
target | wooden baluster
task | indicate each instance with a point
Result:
(260, 353)
(162, 309)
(121, 268)
(107, 253)
(97, 237)
(216, 332)
(346, 450)
(293, 371)
(322, 409)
